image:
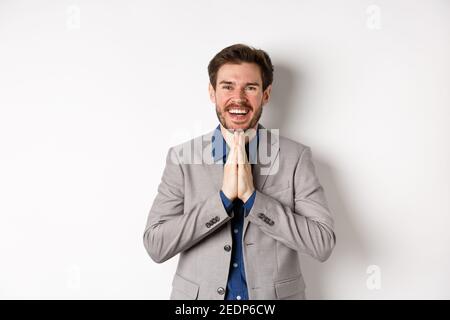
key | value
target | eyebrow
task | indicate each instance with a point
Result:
(247, 84)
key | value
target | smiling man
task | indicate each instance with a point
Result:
(240, 217)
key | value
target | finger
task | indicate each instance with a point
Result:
(236, 138)
(231, 158)
(228, 137)
(240, 156)
(240, 138)
(242, 147)
(236, 147)
(235, 154)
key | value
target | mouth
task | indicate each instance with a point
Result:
(238, 114)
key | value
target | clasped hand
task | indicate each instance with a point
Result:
(237, 172)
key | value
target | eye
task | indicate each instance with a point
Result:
(226, 87)
(251, 88)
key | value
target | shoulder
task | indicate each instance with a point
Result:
(199, 141)
(190, 151)
(291, 147)
(287, 146)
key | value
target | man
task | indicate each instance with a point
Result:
(238, 221)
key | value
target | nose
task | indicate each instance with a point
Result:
(239, 95)
(242, 94)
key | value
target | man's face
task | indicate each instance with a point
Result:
(239, 96)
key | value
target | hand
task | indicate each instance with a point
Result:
(245, 177)
(230, 169)
(228, 136)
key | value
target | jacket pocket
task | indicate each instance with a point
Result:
(183, 289)
(293, 288)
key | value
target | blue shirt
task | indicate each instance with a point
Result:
(237, 283)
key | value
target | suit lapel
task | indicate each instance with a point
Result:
(215, 170)
(268, 145)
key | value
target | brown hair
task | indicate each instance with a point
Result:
(237, 54)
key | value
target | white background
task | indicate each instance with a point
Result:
(93, 93)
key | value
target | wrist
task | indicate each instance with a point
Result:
(229, 196)
(247, 195)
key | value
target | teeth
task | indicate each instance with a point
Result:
(238, 111)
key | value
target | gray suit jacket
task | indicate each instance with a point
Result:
(289, 216)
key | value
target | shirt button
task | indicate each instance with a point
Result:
(235, 265)
(236, 230)
(220, 290)
(238, 298)
(227, 247)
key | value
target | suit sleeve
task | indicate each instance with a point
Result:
(309, 228)
(170, 228)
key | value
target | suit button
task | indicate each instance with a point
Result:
(221, 291)
(208, 225)
(227, 248)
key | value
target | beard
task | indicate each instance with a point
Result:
(254, 120)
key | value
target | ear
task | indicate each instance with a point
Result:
(212, 93)
(266, 94)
